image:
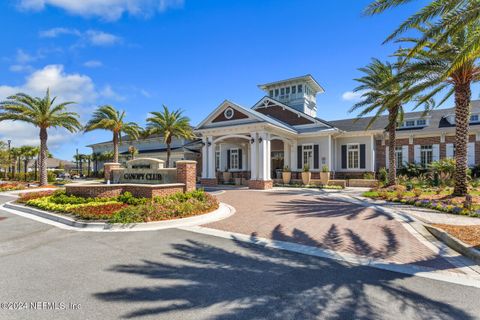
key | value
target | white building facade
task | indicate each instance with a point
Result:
(282, 130)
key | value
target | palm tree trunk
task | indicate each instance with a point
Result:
(115, 147)
(392, 144)
(25, 164)
(392, 167)
(43, 156)
(462, 116)
(168, 155)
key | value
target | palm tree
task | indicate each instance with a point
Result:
(108, 118)
(170, 124)
(435, 71)
(449, 17)
(42, 113)
(383, 93)
(15, 154)
(28, 153)
(96, 156)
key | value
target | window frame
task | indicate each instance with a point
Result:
(399, 156)
(310, 151)
(233, 165)
(354, 166)
(426, 152)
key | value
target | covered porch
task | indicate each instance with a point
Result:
(254, 159)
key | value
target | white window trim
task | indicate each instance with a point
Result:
(303, 155)
(348, 156)
(238, 159)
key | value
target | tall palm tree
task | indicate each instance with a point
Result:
(108, 118)
(435, 71)
(96, 157)
(170, 124)
(448, 17)
(383, 93)
(42, 113)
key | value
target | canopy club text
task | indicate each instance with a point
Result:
(143, 176)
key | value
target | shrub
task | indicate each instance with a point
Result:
(25, 197)
(325, 168)
(369, 175)
(103, 211)
(169, 207)
(417, 192)
(382, 175)
(10, 186)
(46, 203)
(128, 198)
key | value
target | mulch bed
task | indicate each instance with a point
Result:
(467, 234)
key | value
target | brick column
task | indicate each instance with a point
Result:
(107, 167)
(187, 174)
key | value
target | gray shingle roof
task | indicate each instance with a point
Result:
(436, 117)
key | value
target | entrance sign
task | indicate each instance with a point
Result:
(145, 171)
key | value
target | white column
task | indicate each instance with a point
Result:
(262, 156)
(330, 151)
(254, 157)
(293, 148)
(211, 159)
(372, 154)
(286, 154)
(268, 175)
(204, 158)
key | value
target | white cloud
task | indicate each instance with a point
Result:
(21, 68)
(93, 64)
(100, 38)
(55, 32)
(109, 10)
(352, 96)
(109, 93)
(90, 37)
(68, 87)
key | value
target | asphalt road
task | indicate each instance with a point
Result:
(174, 274)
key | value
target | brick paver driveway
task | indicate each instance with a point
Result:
(322, 221)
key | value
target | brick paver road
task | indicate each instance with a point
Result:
(320, 220)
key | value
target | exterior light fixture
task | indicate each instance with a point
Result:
(260, 140)
(252, 141)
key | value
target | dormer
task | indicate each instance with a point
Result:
(299, 93)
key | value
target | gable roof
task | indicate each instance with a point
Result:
(255, 115)
(314, 120)
(437, 120)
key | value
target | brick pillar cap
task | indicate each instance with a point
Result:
(186, 161)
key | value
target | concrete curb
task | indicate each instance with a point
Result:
(454, 243)
(224, 211)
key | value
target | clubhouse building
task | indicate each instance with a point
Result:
(283, 130)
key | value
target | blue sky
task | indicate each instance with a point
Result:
(189, 54)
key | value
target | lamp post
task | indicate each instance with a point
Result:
(9, 158)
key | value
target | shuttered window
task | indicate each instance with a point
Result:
(353, 156)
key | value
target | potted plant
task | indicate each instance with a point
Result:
(324, 175)
(306, 175)
(286, 175)
(227, 175)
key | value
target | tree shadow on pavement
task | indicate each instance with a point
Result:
(245, 281)
(322, 207)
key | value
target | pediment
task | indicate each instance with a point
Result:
(228, 112)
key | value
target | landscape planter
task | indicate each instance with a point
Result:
(227, 176)
(324, 177)
(286, 177)
(306, 177)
